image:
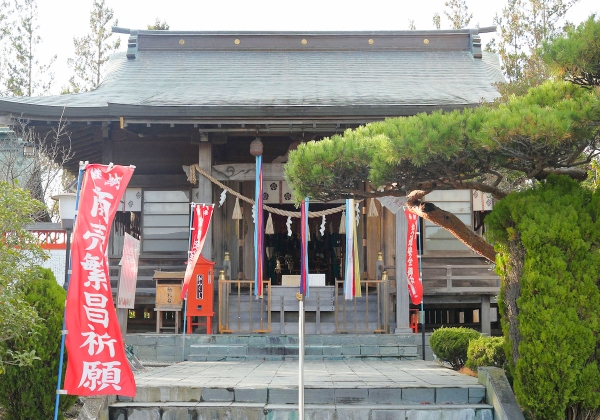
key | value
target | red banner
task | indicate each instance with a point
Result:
(97, 363)
(200, 222)
(415, 288)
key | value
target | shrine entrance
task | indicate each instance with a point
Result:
(325, 250)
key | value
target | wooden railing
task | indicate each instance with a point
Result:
(238, 307)
(51, 239)
(460, 279)
(356, 312)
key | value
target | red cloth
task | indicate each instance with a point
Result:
(97, 364)
(415, 287)
(201, 221)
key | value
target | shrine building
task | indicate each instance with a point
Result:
(183, 107)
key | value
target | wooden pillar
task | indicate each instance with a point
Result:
(107, 149)
(484, 317)
(402, 298)
(205, 192)
(247, 229)
(374, 240)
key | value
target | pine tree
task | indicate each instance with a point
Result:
(92, 51)
(26, 76)
(524, 26)
(159, 26)
(458, 14)
(437, 21)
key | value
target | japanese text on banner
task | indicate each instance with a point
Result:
(97, 362)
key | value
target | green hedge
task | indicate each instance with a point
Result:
(486, 351)
(557, 223)
(450, 344)
(30, 392)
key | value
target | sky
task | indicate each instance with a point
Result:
(61, 20)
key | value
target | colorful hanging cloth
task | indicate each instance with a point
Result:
(304, 238)
(258, 230)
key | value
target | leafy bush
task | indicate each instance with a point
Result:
(450, 344)
(486, 351)
(29, 392)
(556, 374)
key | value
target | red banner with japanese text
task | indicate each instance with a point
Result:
(200, 222)
(97, 362)
(415, 287)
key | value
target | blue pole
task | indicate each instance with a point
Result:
(186, 293)
(420, 248)
(67, 280)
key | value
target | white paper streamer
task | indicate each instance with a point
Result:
(289, 225)
(372, 209)
(269, 229)
(342, 230)
(254, 213)
(322, 230)
(223, 197)
(357, 212)
(237, 211)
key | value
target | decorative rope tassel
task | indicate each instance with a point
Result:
(269, 229)
(343, 224)
(237, 212)
(372, 209)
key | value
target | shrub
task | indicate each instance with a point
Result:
(556, 374)
(486, 351)
(29, 392)
(450, 344)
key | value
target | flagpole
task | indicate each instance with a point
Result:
(300, 298)
(82, 166)
(304, 291)
(419, 256)
(193, 206)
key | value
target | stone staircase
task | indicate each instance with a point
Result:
(349, 389)
(317, 347)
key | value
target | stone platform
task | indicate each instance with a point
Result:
(334, 390)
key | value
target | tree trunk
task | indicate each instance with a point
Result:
(451, 223)
(512, 290)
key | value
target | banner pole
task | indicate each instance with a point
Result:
(193, 206)
(419, 256)
(82, 166)
(300, 297)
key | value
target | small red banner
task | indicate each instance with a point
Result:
(200, 222)
(97, 363)
(415, 288)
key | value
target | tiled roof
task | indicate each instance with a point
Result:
(211, 77)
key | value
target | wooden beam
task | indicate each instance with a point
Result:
(159, 181)
(247, 172)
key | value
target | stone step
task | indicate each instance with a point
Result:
(333, 389)
(283, 339)
(313, 394)
(167, 347)
(241, 350)
(259, 411)
(274, 358)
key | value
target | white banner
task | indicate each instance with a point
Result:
(129, 270)
(393, 204)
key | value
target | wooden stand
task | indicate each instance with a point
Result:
(207, 323)
(159, 325)
(168, 297)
